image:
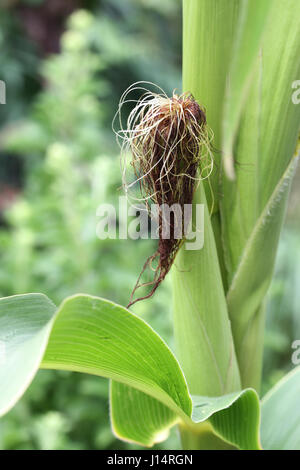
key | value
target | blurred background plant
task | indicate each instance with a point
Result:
(65, 69)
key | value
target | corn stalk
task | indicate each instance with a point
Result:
(239, 61)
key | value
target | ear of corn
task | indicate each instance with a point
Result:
(203, 337)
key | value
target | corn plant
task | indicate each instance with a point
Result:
(240, 61)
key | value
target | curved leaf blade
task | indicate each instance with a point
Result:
(137, 417)
(96, 336)
(234, 418)
(86, 334)
(25, 322)
(93, 335)
(253, 17)
(254, 274)
(238, 423)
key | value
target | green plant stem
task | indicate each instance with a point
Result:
(202, 438)
(202, 330)
(201, 327)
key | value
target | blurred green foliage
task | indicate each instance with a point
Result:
(19, 67)
(49, 244)
(283, 319)
(57, 124)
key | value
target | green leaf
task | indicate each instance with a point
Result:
(280, 422)
(240, 208)
(253, 277)
(87, 334)
(96, 336)
(238, 422)
(268, 130)
(263, 143)
(234, 418)
(93, 335)
(25, 322)
(280, 117)
(137, 417)
(253, 16)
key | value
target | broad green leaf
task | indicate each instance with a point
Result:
(137, 417)
(252, 20)
(238, 422)
(92, 335)
(86, 334)
(252, 279)
(25, 322)
(280, 421)
(96, 336)
(234, 418)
